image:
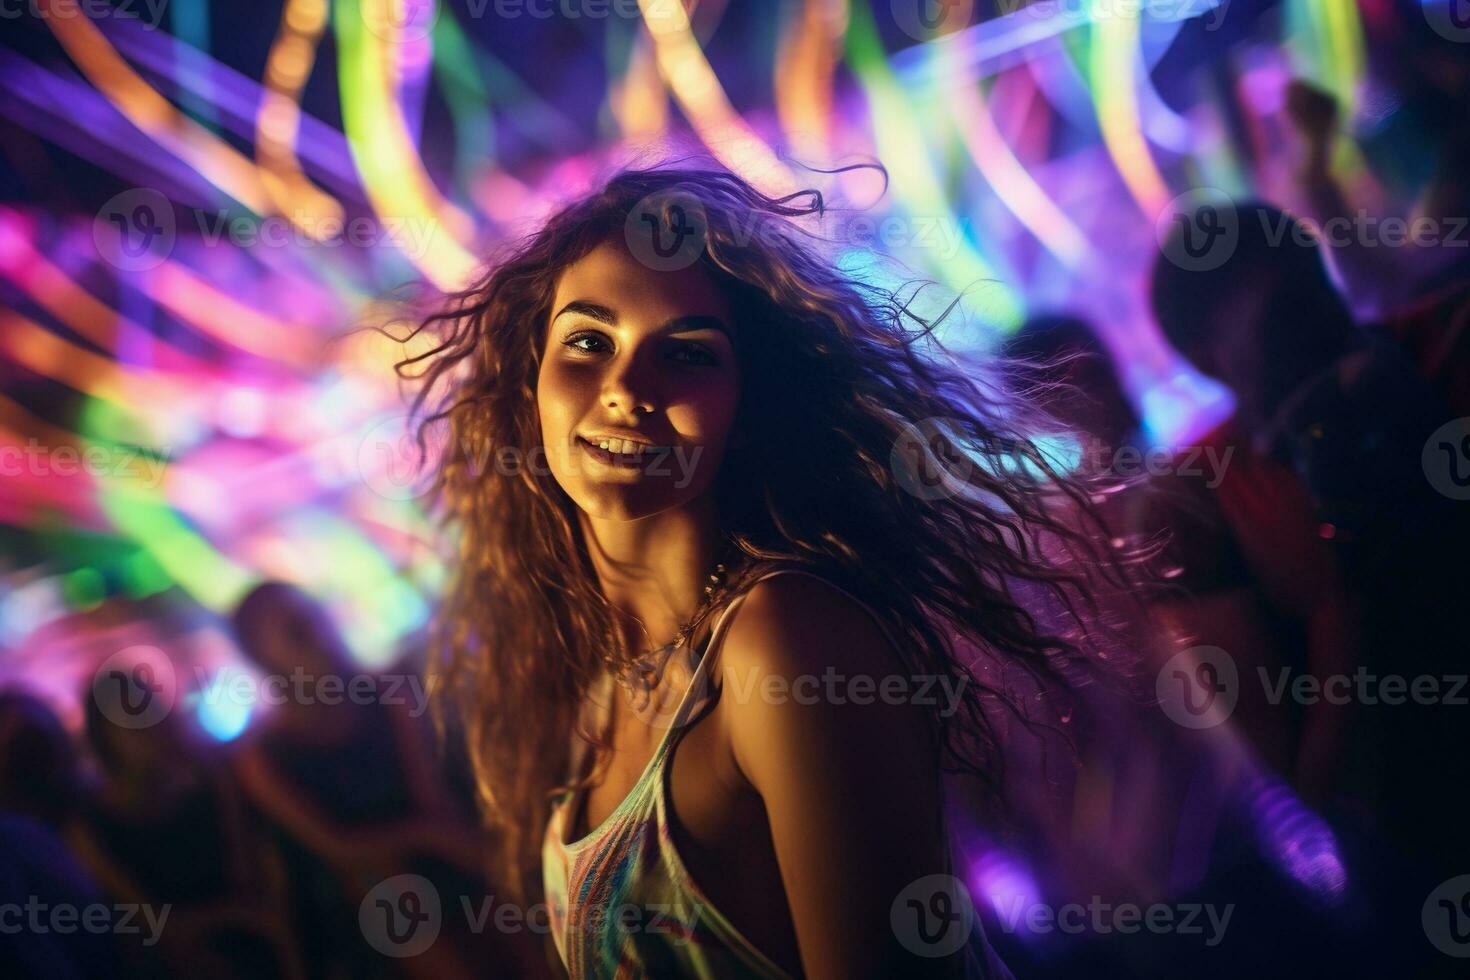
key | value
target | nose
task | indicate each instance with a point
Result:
(629, 388)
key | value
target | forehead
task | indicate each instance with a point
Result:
(611, 276)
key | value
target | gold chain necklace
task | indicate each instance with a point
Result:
(644, 672)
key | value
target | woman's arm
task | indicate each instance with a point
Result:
(842, 763)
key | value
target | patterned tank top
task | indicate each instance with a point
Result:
(621, 903)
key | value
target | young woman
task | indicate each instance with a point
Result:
(702, 633)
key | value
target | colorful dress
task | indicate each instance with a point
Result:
(621, 902)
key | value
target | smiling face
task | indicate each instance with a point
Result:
(646, 353)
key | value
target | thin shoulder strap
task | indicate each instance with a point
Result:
(811, 574)
(718, 632)
(710, 648)
(699, 680)
(699, 683)
(599, 704)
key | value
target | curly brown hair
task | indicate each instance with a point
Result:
(849, 397)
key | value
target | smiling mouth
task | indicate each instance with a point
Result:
(630, 461)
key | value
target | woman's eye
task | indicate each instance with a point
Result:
(692, 354)
(573, 342)
(698, 353)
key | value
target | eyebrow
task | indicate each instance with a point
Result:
(604, 314)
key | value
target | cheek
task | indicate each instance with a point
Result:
(556, 399)
(556, 413)
(708, 412)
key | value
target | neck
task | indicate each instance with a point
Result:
(655, 569)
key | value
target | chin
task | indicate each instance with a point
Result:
(622, 504)
(609, 494)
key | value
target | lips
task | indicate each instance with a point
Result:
(625, 460)
(616, 443)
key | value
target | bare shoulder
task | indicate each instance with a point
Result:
(797, 624)
(803, 664)
(824, 728)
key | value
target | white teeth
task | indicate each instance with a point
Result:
(622, 447)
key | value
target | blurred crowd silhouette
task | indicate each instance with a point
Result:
(262, 849)
(1309, 578)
